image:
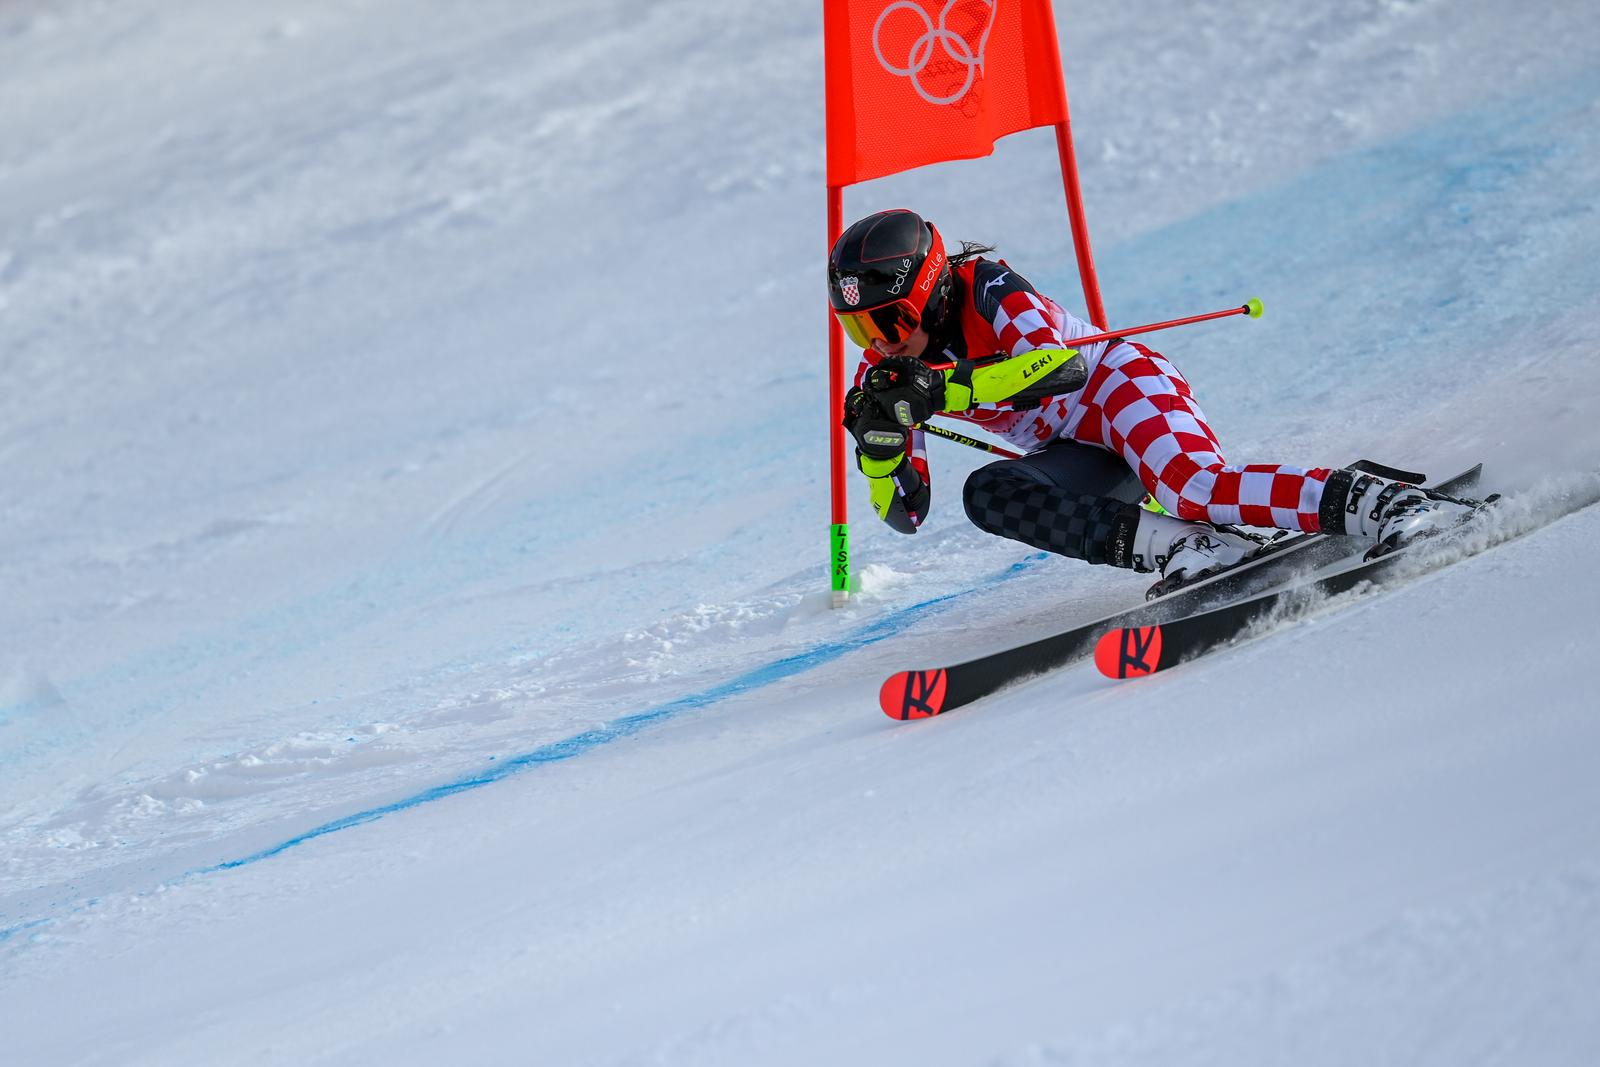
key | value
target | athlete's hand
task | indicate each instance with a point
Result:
(907, 390)
(877, 435)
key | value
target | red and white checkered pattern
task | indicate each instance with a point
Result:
(1138, 404)
(1028, 321)
(1024, 323)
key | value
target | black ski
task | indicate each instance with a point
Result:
(922, 694)
(1135, 651)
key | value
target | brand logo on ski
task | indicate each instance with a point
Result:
(1130, 652)
(913, 694)
(1190, 617)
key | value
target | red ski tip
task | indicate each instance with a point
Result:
(1129, 653)
(913, 694)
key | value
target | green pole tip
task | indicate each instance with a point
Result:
(1253, 306)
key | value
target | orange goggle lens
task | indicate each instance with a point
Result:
(890, 323)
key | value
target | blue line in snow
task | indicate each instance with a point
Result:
(878, 630)
(873, 632)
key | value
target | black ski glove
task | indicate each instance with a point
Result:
(877, 435)
(907, 389)
(900, 496)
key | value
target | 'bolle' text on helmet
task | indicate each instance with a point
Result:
(887, 275)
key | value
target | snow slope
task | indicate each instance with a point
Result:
(412, 504)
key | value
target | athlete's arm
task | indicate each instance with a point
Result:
(1039, 362)
(893, 456)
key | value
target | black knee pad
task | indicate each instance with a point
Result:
(1012, 500)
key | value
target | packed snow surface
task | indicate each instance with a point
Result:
(413, 529)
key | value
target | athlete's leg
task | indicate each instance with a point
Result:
(1139, 405)
(1075, 499)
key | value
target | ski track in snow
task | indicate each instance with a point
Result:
(100, 821)
(587, 678)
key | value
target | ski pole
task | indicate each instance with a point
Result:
(1149, 503)
(1251, 307)
(971, 442)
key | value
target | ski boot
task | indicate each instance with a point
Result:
(1185, 552)
(1393, 514)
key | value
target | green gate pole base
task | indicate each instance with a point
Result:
(844, 583)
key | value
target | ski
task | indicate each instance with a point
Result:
(1136, 651)
(921, 694)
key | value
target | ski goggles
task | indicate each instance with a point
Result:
(898, 319)
(889, 323)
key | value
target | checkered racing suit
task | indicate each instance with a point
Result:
(1135, 404)
(1138, 405)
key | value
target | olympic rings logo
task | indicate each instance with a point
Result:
(957, 47)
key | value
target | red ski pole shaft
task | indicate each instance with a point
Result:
(1251, 307)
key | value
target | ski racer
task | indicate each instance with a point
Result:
(1101, 425)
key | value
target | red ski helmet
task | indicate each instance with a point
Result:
(887, 275)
